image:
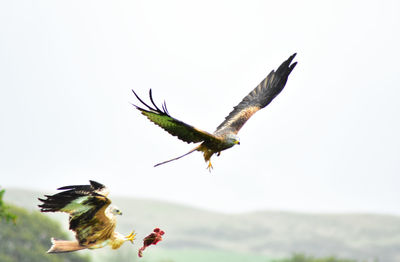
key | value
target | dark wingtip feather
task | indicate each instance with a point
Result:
(141, 101)
(287, 63)
(164, 106)
(278, 82)
(156, 109)
(41, 199)
(152, 101)
(292, 66)
(290, 61)
(67, 187)
(96, 185)
(260, 96)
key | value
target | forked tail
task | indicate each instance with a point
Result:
(62, 246)
(176, 158)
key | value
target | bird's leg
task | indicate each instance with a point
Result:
(209, 167)
(131, 236)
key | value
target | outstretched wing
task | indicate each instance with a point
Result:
(76, 199)
(257, 99)
(173, 126)
(84, 203)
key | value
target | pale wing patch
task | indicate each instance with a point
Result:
(76, 207)
(239, 119)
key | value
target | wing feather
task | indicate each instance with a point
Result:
(258, 98)
(76, 200)
(86, 205)
(172, 125)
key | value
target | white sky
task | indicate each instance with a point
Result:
(328, 143)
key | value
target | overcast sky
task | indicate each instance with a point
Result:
(328, 143)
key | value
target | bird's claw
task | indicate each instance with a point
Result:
(131, 236)
(209, 167)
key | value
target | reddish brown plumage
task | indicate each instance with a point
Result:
(63, 246)
(224, 136)
(90, 216)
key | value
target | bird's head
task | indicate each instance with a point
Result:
(115, 211)
(232, 139)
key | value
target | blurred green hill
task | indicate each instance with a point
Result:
(29, 238)
(264, 235)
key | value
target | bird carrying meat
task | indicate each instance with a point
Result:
(91, 217)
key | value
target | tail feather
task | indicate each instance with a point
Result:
(62, 246)
(176, 158)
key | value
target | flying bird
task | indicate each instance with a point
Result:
(91, 217)
(225, 136)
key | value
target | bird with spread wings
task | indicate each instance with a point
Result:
(91, 217)
(225, 135)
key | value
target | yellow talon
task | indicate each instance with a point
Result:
(131, 236)
(209, 167)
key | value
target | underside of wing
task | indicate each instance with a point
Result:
(173, 126)
(257, 99)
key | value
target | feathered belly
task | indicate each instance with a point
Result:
(96, 236)
(100, 244)
(212, 148)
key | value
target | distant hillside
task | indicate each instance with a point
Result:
(271, 234)
(29, 239)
